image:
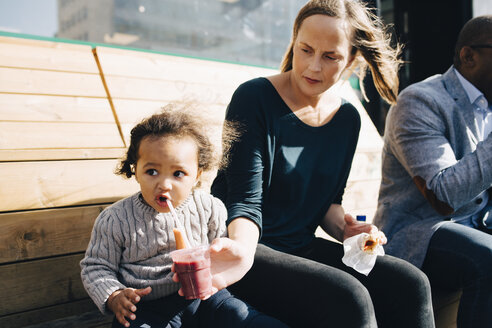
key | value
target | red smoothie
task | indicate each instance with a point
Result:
(193, 268)
(194, 277)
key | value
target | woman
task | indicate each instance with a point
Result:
(287, 174)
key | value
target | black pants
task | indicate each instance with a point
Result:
(313, 288)
(222, 310)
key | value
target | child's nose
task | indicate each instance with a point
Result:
(165, 184)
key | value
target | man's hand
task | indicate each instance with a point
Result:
(122, 303)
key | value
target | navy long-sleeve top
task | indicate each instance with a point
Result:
(284, 174)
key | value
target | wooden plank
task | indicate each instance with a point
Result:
(35, 284)
(93, 319)
(167, 90)
(16, 155)
(43, 233)
(38, 185)
(36, 108)
(47, 56)
(34, 135)
(25, 81)
(131, 112)
(136, 64)
(42, 316)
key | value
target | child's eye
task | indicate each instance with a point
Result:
(151, 172)
(305, 50)
(179, 174)
(330, 57)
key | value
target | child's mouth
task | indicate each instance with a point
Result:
(161, 201)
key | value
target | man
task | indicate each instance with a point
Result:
(434, 202)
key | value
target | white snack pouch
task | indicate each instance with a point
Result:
(360, 252)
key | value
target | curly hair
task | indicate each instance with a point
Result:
(371, 44)
(172, 122)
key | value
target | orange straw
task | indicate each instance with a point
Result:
(180, 241)
(179, 236)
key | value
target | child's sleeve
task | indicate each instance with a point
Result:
(102, 258)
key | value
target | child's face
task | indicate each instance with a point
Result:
(167, 168)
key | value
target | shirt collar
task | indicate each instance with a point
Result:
(475, 96)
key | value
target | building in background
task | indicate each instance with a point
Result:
(246, 31)
(254, 32)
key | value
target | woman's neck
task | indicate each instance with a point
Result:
(313, 110)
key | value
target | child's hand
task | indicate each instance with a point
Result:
(122, 303)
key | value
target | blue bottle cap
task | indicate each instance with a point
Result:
(361, 218)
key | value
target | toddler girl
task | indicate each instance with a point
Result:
(127, 260)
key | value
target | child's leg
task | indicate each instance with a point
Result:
(164, 312)
(225, 310)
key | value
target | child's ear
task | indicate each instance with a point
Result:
(134, 171)
(198, 175)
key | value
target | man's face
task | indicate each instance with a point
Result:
(481, 71)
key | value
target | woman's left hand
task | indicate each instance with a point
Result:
(354, 227)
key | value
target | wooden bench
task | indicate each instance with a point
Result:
(66, 112)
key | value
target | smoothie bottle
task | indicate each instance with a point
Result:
(193, 268)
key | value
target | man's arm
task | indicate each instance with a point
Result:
(416, 134)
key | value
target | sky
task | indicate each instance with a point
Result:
(37, 17)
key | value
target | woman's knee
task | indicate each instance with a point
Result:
(343, 301)
(412, 280)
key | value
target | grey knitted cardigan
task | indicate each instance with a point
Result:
(131, 242)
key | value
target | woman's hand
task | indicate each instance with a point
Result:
(354, 227)
(231, 258)
(122, 303)
(229, 262)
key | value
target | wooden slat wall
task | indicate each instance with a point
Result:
(52, 97)
(141, 83)
(59, 145)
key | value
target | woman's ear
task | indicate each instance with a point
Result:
(349, 69)
(350, 61)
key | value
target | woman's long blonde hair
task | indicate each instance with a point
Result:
(371, 43)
